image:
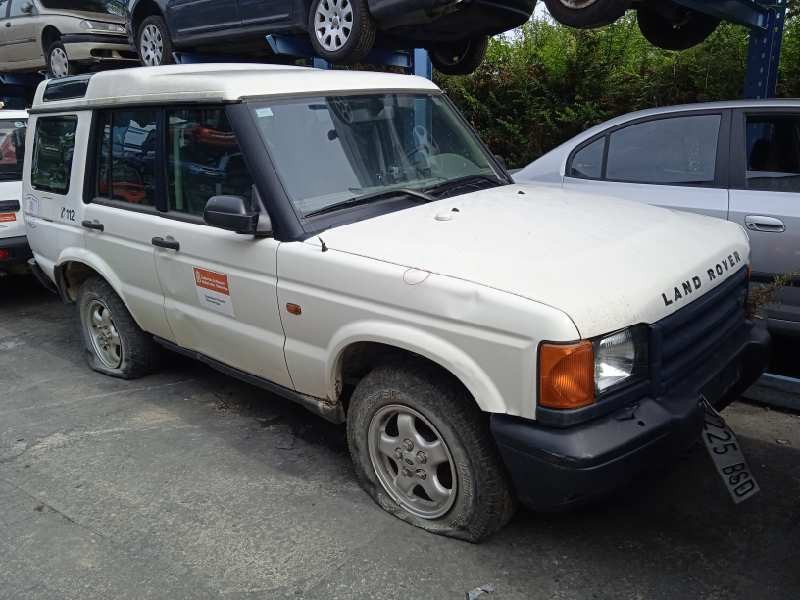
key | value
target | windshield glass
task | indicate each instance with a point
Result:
(12, 149)
(110, 7)
(329, 150)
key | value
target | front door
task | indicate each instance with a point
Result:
(765, 197)
(220, 287)
(123, 218)
(188, 18)
(21, 47)
(264, 12)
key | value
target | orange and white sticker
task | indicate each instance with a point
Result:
(213, 291)
(7, 217)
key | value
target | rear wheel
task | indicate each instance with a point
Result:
(423, 451)
(153, 43)
(58, 63)
(587, 14)
(680, 31)
(341, 30)
(115, 345)
(459, 58)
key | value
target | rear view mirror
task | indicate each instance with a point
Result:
(231, 213)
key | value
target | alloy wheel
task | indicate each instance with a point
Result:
(412, 461)
(103, 333)
(333, 23)
(151, 44)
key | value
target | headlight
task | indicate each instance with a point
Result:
(102, 26)
(618, 357)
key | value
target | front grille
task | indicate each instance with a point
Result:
(680, 342)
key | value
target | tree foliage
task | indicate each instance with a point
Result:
(543, 83)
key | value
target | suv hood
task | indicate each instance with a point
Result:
(607, 263)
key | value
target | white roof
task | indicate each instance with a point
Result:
(14, 114)
(226, 82)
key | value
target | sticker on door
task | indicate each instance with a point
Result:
(213, 291)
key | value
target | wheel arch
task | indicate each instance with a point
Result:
(73, 268)
(50, 34)
(359, 349)
(142, 10)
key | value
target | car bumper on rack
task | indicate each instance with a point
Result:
(554, 467)
(90, 47)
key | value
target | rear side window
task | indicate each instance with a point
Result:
(12, 149)
(678, 150)
(53, 150)
(203, 160)
(773, 153)
(588, 161)
(127, 156)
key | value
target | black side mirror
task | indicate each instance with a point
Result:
(230, 212)
(27, 8)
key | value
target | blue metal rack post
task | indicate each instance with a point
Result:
(765, 21)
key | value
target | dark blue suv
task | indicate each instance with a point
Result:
(454, 31)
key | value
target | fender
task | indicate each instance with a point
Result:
(421, 342)
(91, 260)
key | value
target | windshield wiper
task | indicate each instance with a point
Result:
(367, 198)
(460, 182)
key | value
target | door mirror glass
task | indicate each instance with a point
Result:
(230, 212)
(27, 8)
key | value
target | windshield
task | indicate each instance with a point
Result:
(329, 150)
(12, 149)
(110, 7)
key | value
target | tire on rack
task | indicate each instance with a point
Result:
(58, 62)
(586, 14)
(114, 343)
(422, 449)
(341, 31)
(153, 42)
(690, 28)
(460, 58)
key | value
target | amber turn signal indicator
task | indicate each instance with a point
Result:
(566, 375)
(293, 309)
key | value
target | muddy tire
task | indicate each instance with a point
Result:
(423, 451)
(461, 58)
(114, 343)
(686, 30)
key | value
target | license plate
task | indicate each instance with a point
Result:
(723, 447)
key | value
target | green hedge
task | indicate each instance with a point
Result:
(543, 83)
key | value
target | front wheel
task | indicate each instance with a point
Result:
(341, 30)
(154, 43)
(58, 63)
(459, 58)
(423, 451)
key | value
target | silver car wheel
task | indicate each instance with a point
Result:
(412, 461)
(577, 4)
(151, 45)
(106, 343)
(333, 23)
(59, 62)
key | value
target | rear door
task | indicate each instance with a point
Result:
(12, 156)
(765, 196)
(188, 18)
(676, 161)
(256, 13)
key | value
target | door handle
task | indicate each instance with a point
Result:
(168, 243)
(97, 226)
(763, 223)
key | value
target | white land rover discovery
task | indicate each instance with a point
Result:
(14, 250)
(345, 240)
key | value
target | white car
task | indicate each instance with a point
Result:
(345, 240)
(14, 250)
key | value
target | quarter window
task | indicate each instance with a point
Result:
(204, 160)
(127, 161)
(588, 161)
(53, 150)
(678, 150)
(773, 153)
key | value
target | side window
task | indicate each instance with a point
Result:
(127, 156)
(677, 150)
(588, 161)
(53, 150)
(773, 153)
(203, 160)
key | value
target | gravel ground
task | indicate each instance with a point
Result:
(189, 484)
